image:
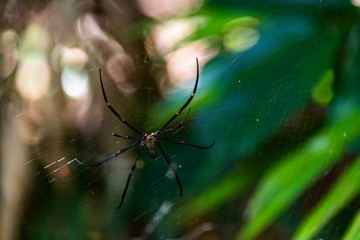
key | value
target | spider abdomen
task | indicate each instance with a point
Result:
(150, 143)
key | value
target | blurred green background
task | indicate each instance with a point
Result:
(279, 92)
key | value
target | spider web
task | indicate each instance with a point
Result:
(244, 100)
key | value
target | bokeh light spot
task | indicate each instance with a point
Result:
(165, 8)
(33, 78)
(356, 3)
(241, 39)
(240, 34)
(323, 91)
(75, 82)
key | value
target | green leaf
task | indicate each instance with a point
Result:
(215, 196)
(340, 195)
(323, 92)
(353, 232)
(287, 180)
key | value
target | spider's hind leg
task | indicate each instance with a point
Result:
(109, 158)
(132, 169)
(172, 167)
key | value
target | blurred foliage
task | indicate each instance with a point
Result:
(278, 93)
(280, 146)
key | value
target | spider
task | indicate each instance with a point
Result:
(148, 139)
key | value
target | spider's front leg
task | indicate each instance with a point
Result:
(171, 129)
(187, 102)
(115, 134)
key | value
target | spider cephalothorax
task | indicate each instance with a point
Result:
(150, 140)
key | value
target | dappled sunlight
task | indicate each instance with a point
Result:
(117, 62)
(75, 82)
(159, 9)
(117, 67)
(241, 34)
(73, 56)
(165, 36)
(356, 3)
(181, 63)
(33, 74)
(74, 77)
(277, 91)
(89, 29)
(33, 78)
(240, 39)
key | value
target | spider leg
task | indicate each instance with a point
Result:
(187, 102)
(176, 126)
(109, 158)
(172, 167)
(112, 109)
(132, 169)
(115, 134)
(187, 144)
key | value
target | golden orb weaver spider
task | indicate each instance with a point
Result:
(148, 139)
